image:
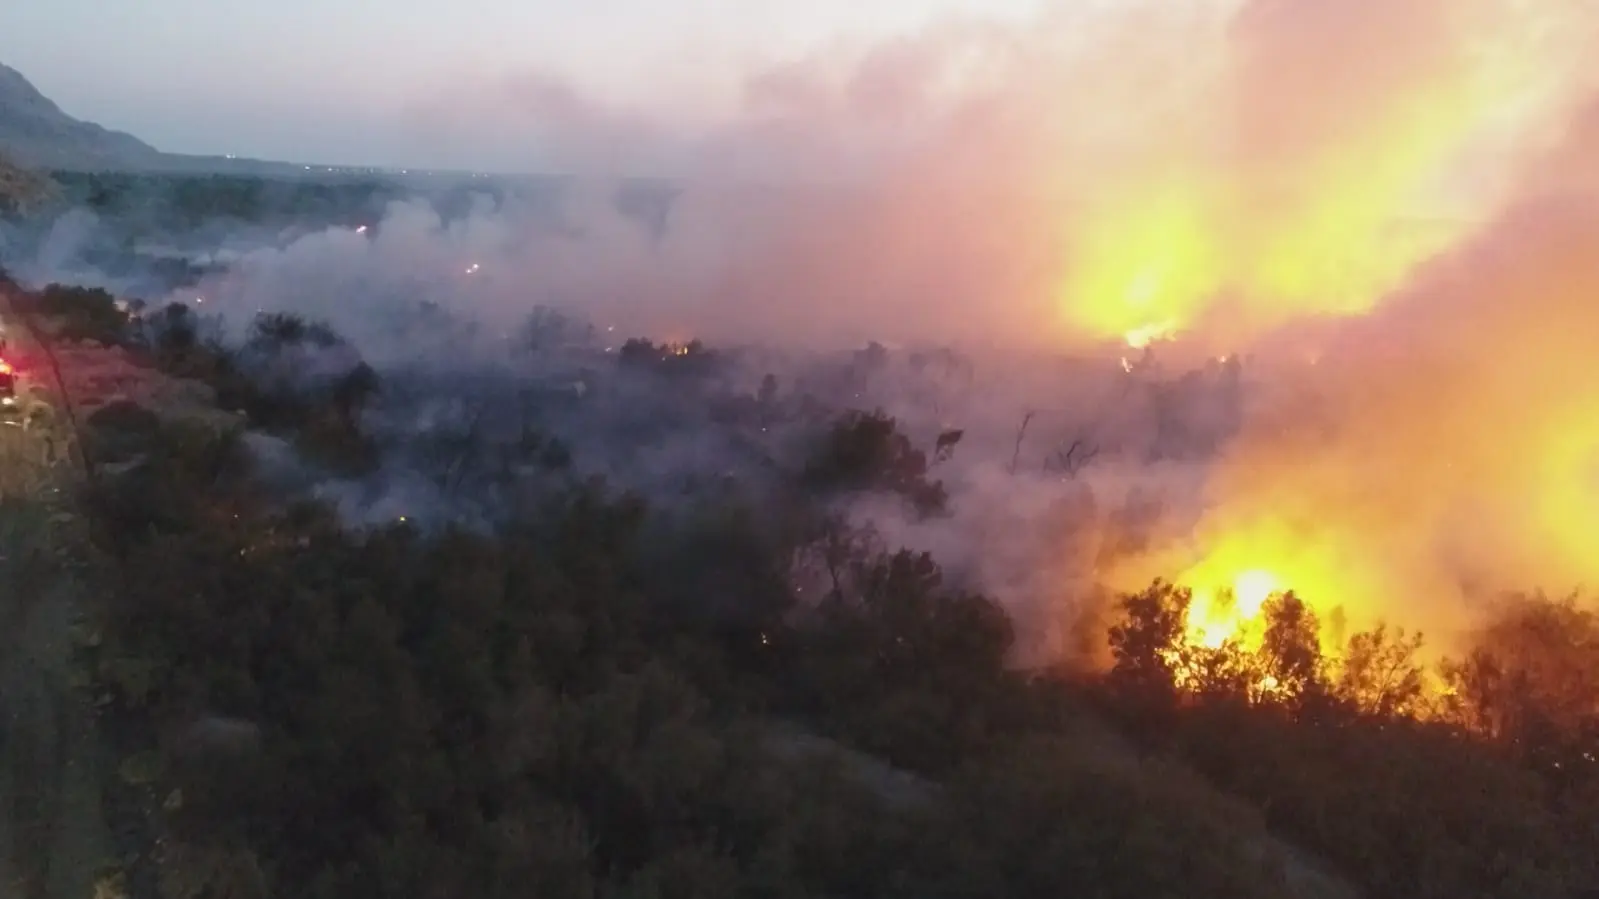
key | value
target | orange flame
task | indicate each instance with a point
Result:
(1272, 207)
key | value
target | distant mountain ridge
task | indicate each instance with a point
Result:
(35, 131)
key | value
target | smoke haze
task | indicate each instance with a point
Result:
(1380, 205)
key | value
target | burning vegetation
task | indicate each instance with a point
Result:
(1525, 680)
(490, 607)
(583, 673)
(1268, 191)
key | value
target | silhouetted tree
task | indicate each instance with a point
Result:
(866, 451)
(1146, 643)
(1379, 674)
(1291, 651)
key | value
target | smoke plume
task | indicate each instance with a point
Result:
(1385, 208)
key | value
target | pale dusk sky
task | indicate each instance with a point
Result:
(337, 80)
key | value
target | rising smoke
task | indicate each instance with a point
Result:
(1379, 205)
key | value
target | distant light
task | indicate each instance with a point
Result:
(361, 230)
(472, 269)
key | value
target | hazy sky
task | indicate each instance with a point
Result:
(339, 80)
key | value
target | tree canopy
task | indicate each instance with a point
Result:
(22, 190)
(604, 696)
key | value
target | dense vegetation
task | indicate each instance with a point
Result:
(177, 203)
(587, 702)
(186, 201)
(1485, 784)
(22, 189)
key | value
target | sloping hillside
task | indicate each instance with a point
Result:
(35, 131)
(21, 188)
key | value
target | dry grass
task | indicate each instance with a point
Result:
(94, 376)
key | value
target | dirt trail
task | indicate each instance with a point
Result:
(52, 834)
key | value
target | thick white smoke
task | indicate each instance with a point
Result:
(1232, 170)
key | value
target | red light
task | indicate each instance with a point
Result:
(5, 367)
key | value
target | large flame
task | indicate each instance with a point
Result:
(1299, 191)
(1245, 563)
(1455, 446)
(1218, 615)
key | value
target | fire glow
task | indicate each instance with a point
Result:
(1271, 206)
(1389, 210)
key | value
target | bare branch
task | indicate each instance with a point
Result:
(1074, 458)
(945, 447)
(1021, 434)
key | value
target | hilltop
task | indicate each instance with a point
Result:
(37, 133)
(34, 130)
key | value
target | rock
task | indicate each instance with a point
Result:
(141, 769)
(118, 469)
(216, 733)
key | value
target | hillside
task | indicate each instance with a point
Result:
(37, 133)
(618, 698)
(21, 188)
(34, 130)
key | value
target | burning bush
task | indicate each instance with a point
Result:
(1531, 683)
(1528, 681)
(690, 359)
(1364, 753)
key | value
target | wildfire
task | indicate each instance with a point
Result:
(1219, 614)
(1141, 337)
(1277, 200)
(1227, 612)
(1442, 448)
(1240, 569)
